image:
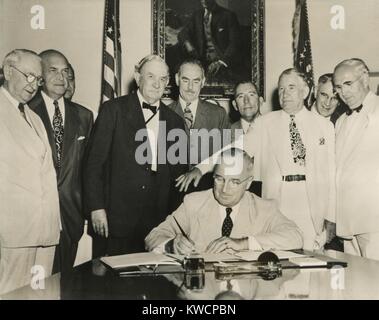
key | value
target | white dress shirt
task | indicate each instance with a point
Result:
(152, 129)
(49, 102)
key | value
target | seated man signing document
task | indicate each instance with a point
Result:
(228, 217)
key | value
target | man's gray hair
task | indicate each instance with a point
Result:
(151, 57)
(194, 62)
(295, 72)
(14, 57)
(359, 65)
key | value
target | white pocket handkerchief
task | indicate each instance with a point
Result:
(81, 138)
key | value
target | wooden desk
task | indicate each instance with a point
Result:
(93, 281)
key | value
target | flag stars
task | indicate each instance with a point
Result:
(110, 30)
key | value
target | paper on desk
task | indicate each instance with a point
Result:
(282, 255)
(138, 259)
(209, 257)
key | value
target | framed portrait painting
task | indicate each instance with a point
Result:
(226, 36)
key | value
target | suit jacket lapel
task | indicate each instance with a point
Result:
(38, 106)
(71, 124)
(276, 137)
(134, 114)
(209, 220)
(200, 116)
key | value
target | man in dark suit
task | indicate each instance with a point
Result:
(198, 114)
(126, 189)
(68, 127)
(212, 36)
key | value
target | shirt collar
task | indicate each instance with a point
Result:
(50, 101)
(298, 116)
(246, 125)
(142, 100)
(12, 100)
(192, 105)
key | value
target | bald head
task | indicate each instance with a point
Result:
(22, 74)
(232, 176)
(55, 70)
(351, 81)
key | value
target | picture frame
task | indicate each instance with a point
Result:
(170, 17)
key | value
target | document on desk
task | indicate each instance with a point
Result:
(138, 259)
(254, 255)
(210, 257)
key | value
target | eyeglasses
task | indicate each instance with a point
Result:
(346, 84)
(30, 78)
(233, 183)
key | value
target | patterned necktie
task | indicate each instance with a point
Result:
(207, 16)
(227, 224)
(297, 146)
(58, 132)
(188, 116)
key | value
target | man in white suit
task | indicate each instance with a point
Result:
(357, 158)
(294, 154)
(29, 207)
(227, 217)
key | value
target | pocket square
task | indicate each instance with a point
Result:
(220, 29)
(81, 138)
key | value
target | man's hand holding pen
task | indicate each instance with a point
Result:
(183, 245)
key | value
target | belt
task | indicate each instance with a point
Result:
(295, 177)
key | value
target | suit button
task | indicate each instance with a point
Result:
(147, 168)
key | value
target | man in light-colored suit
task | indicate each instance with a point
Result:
(227, 217)
(247, 103)
(357, 158)
(294, 155)
(198, 114)
(29, 207)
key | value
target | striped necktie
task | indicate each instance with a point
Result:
(188, 116)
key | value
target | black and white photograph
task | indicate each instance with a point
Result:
(189, 150)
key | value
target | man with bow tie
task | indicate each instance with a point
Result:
(357, 159)
(68, 126)
(127, 194)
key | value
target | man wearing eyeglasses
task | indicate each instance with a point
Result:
(29, 206)
(226, 218)
(357, 160)
(68, 127)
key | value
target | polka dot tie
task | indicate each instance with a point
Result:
(227, 224)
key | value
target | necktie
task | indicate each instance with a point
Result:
(58, 132)
(153, 109)
(297, 146)
(207, 16)
(21, 107)
(227, 224)
(349, 111)
(188, 116)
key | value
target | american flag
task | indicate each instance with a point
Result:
(302, 47)
(111, 79)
